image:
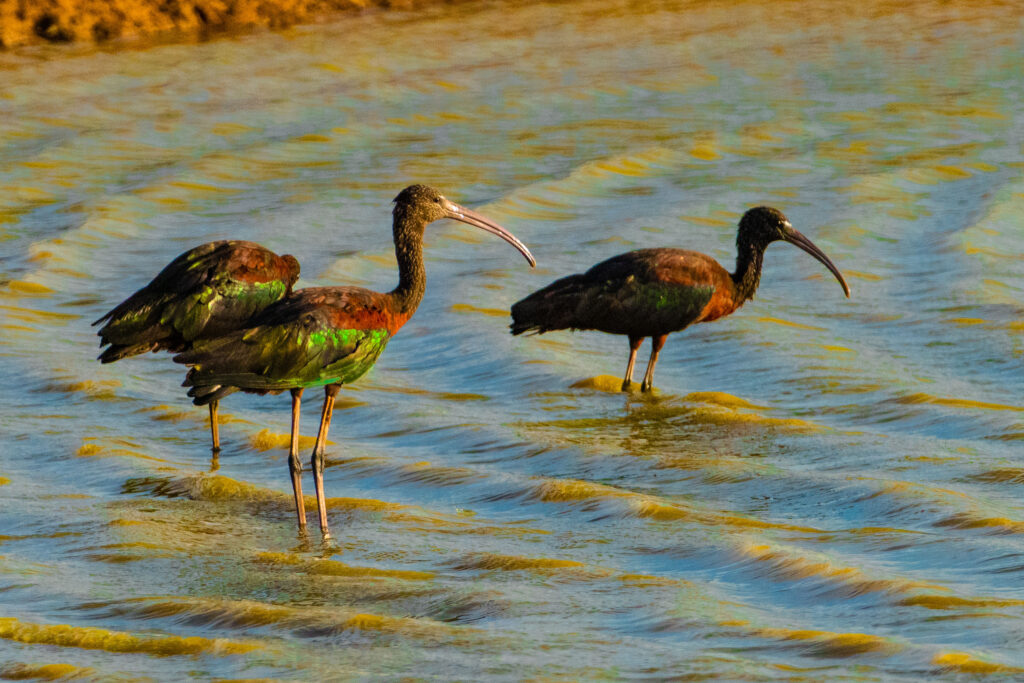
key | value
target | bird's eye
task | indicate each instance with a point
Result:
(437, 200)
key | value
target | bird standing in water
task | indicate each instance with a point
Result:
(205, 292)
(653, 292)
(327, 336)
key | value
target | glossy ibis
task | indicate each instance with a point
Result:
(326, 336)
(205, 292)
(653, 292)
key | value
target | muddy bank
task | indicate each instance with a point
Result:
(35, 21)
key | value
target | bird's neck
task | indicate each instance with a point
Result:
(749, 258)
(412, 279)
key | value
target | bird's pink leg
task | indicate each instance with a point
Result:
(214, 427)
(656, 344)
(330, 391)
(294, 464)
(634, 345)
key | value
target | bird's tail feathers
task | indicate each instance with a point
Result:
(551, 308)
(204, 394)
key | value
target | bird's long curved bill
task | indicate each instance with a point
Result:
(461, 213)
(798, 239)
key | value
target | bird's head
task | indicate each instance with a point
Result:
(763, 225)
(421, 202)
(419, 205)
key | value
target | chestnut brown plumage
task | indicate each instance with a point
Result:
(654, 292)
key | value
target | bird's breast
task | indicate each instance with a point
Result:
(723, 302)
(369, 315)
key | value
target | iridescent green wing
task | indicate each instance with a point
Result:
(220, 304)
(227, 285)
(145, 321)
(201, 292)
(306, 351)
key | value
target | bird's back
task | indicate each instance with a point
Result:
(643, 293)
(206, 291)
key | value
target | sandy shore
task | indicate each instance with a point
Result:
(34, 21)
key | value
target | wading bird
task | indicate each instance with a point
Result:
(326, 336)
(206, 292)
(653, 292)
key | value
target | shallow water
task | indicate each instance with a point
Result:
(820, 489)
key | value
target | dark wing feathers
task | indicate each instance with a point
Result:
(552, 308)
(179, 277)
(643, 292)
(206, 291)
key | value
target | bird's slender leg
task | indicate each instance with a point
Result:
(294, 464)
(634, 345)
(656, 344)
(214, 427)
(330, 391)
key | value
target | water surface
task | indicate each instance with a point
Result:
(820, 489)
